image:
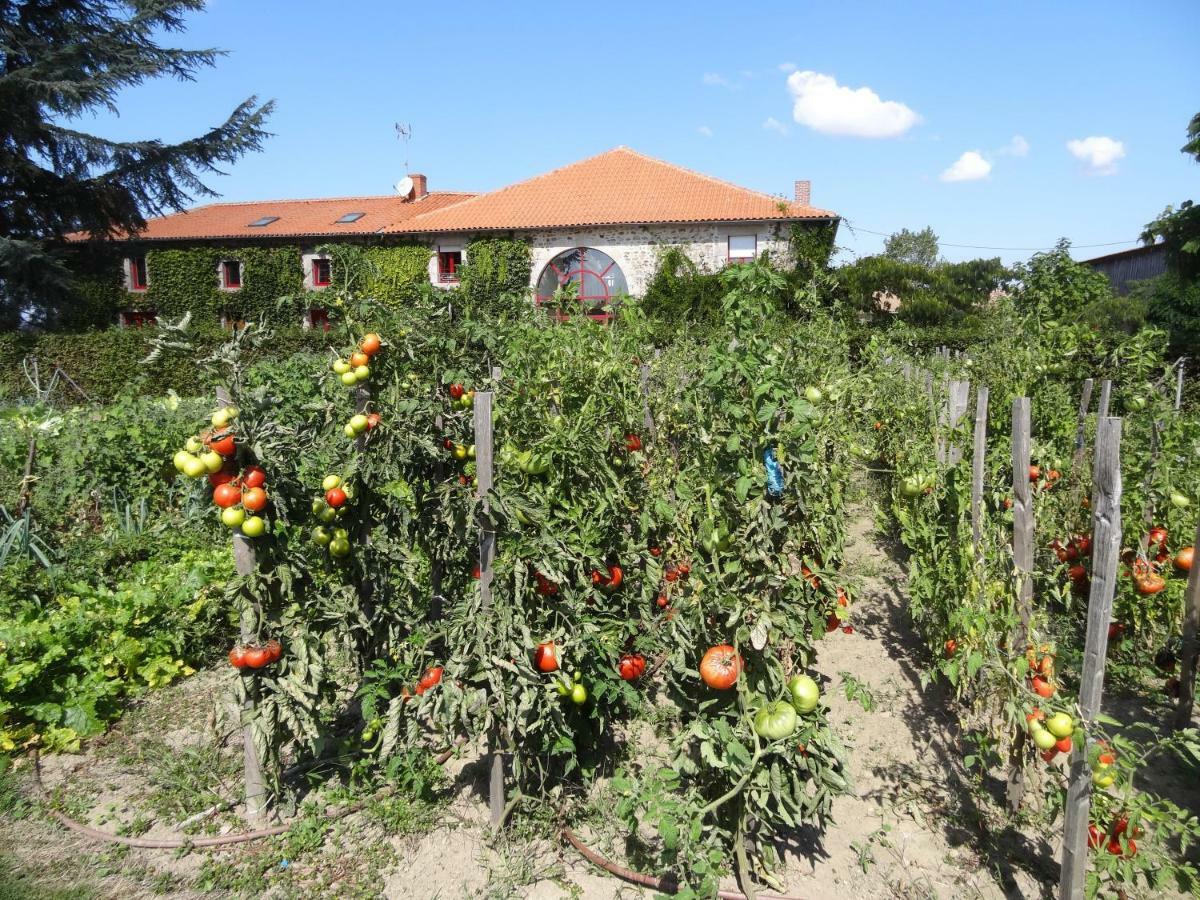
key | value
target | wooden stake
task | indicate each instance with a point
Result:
(1106, 547)
(978, 460)
(1179, 386)
(1191, 624)
(1105, 396)
(959, 397)
(1085, 400)
(487, 555)
(1022, 548)
(245, 562)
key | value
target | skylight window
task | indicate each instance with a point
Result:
(263, 222)
(349, 217)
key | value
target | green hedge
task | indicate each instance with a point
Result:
(107, 363)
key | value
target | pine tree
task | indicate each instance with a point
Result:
(61, 59)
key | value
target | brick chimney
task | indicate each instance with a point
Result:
(803, 192)
(420, 186)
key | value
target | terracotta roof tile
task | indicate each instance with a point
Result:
(620, 186)
(297, 218)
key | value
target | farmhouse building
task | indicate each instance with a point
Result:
(599, 224)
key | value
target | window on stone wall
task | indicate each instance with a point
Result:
(140, 318)
(138, 280)
(743, 248)
(231, 274)
(595, 277)
(449, 262)
(317, 318)
(322, 272)
(232, 320)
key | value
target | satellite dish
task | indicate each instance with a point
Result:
(404, 186)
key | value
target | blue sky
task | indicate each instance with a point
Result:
(499, 92)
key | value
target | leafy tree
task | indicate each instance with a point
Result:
(58, 61)
(917, 247)
(1056, 286)
(1192, 147)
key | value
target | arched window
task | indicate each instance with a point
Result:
(598, 279)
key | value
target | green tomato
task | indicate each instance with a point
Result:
(349, 431)
(194, 468)
(910, 487)
(813, 394)
(362, 373)
(349, 379)
(579, 694)
(212, 461)
(1138, 403)
(193, 445)
(181, 460)
(328, 514)
(1180, 501)
(341, 534)
(254, 526)
(1103, 779)
(339, 547)
(330, 482)
(805, 693)
(233, 516)
(1060, 725)
(358, 422)
(1044, 739)
(321, 536)
(341, 367)
(223, 417)
(775, 721)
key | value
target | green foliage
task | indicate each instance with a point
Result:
(1172, 303)
(1179, 230)
(1055, 286)
(680, 294)
(391, 274)
(810, 247)
(183, 280)
(494, 269)
(918, 248)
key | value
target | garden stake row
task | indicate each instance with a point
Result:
(1022, 550)
(1187, 663)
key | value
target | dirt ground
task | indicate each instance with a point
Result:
(909, 829)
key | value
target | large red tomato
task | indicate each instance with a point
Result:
(546, 657)
(254, 477)
(227, 495)
(255, 499)
(720, 667)
(631, 666)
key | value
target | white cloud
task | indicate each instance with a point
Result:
(788, 68)
(1018, 146)
(830, 108)
(704, 131)
(1099, 154)
(714, 79)
(971, 166)
(773, 124)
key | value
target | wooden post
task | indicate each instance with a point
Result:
(1106, 547)
(1105, 396)
(647, 418)
(1085, 400)
(487, 554)
(245, 562)
(1179, 385)
(978, 459)
(1022, 548)
(960, 395)
(1191, 623)
(1148, 506)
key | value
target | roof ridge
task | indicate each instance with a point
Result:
(714, 179)
(315, 200)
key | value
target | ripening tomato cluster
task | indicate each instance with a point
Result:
(1052, 735)
(1118, 839)
(240, 496)
(206, 454)
(608, 581)
(360, 423)
(1041, 670)
(255, 656)
(357, 367)
(328, 509)
(460, 397)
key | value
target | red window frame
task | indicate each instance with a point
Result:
(449, 262)
(732, 260)
(322, 272)
(577, 270)
(140, 318)
(319, 318)
(231, 274)
(138, 278)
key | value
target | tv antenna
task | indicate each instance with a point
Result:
(404, 133)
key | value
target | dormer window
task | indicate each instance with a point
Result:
(231, 274)
(136, 267)
(322, 273)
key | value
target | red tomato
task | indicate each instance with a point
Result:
(227, 495)
(257, 657)
(1064, 744)
(255, 499)
(430, 679)
(219, 478)
(223, 444)
(1035, 473)
(475, 571)
(274, 650)
(237, 657)
(615, 577)
(370, 344)
(631, 666)
(456, 391)
(832, 623)
(950, 648)
(1116, 631)
(1095, 837)
(254, 477)
(1078, 574)
(1041, 687)
(1084, 544)
(662, 601)
(720, 667)
(1183, 559)
(335, 497)
(671, 574)
(1150, 584)
(545, 657)
(633, 443)
(1157, 535)
(656, 551)
(373, 421)
(447, 444)
(684, 567)
(1048, 755)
